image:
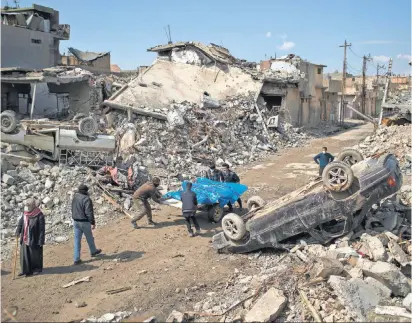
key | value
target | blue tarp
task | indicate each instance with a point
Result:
(210, 192)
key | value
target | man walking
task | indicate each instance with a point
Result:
(214, 174)
(230, 176)
(322, 159)
(83, 222)
(189, 207)
(141, 198)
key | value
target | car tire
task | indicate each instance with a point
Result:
(233, 226)
(350, 156)
(79, 116)
(215, 213)
(8, 121)
(88, 126)
(255, 202)
(338, 176)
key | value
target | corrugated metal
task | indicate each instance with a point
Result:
(86, 56)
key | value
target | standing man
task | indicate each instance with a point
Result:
(214, 174)
(189, 208)
(141, 198)
(231, 177)
(83, 222)
(322, 159)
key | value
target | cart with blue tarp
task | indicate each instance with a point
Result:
(211, 195)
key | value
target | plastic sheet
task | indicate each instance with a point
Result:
(210, 192)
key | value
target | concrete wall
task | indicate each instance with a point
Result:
(292, 106)
(18, 50)
(102, 63)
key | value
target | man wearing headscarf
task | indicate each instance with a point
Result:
(31, 229)
(141, 201)
(83, 222)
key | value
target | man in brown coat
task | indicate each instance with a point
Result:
(141, 200)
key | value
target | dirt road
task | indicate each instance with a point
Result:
(157, 263)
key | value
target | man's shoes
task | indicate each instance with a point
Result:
(198, 231)
(20, 274)
(98, 252)
(191, 234)
(29, 274)
(77, 262)
(135, 226)
(151, 223)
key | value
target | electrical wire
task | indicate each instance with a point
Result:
(352, 68)
(350, 48)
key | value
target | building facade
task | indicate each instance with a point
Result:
(30, 37)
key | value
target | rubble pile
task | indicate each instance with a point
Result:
(193, 137)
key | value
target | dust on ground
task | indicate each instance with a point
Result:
(161, 264)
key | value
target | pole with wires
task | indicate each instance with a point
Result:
(365, 60)
(342, 98)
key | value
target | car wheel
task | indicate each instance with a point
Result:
(88, 126)
(215, 213)
(350, 156)
(79, 116)
(255, 202)
(233, 227)
(8, 121)
(337, 176)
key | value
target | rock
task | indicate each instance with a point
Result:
(48, 202)
(376, 247)
(391, 236)
(407, 302)
(48, 184)
(12, 173)
(80, 304)
(177, 317)
(7, 179)
(388, 274)
(398, 254)
(127, 204)
(356, 273)
(339, 253)
(268, 307)
(355, 294)
(316, 250)
(380, 288)
(325, 267)
(151, 319)
(60, 239)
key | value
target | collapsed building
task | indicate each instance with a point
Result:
(91, 61)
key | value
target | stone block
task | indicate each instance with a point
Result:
(268, 307)
(9, 180)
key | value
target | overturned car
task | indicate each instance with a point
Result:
(318, 212)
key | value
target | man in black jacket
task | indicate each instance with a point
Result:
(189, 207)
(83, 222)
(231, 177)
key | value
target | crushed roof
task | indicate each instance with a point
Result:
(86, 56)
(213, 51)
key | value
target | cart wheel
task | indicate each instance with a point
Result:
(215, 213)
(8, 121)
(88, 126)
(255, 202)
(233, 226)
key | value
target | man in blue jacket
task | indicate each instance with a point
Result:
(322, 159)
(189, 208)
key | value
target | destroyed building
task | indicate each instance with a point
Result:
(295, 87)
(49, 92)
(91, 61)
(31, 36)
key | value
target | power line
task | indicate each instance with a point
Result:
(354, 53)
(353, 69)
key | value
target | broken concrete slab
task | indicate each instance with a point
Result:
(407, 302)
(356, 273)
(355, 294)
(7, 179)
(325, 267)
(380, 288)
(393, 311)
(397, 253)
(177, 317)
(376, 247)
(339, 253)
(391, 236)
(268, 307)
(378, 318)
(388, 274)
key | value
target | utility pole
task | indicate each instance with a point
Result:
(379, 67)
(385, 93)
(342, 98)
(365, 60)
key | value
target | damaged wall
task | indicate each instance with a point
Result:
(27, 48)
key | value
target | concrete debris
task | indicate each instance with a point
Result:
(355, 294)
(177, 317)
(376, 247)
(109, 317)
(388, 274)
(325, 267)
(407, 302)
(268, 307)
(7, 179)
(393, 311)
(398, 254)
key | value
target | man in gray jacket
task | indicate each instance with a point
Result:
(189, 208)
(83, 222)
